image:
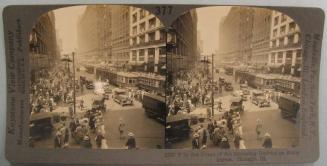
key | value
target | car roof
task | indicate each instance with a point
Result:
(176, 118)
(41, 115)
(162, 99)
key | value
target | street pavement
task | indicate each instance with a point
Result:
(283, 132)
(148, 132)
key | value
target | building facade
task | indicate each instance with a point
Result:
(120, 23)
(285, 44)
(43, 49)
(261, 36)
(88, 35)
(229, 33)
(185, 54)
(147, 41)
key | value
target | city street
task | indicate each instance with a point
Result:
(148, 133)
(283, 131)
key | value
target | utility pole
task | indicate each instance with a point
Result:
(212, 87)
(74, 90)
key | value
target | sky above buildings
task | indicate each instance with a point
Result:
(208, 26)
(66, 26)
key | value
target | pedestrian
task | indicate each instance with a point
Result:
(196, 141)
(204, 136)
(57, 140)
(121, 128)
(131, 143)
(210, 128)
(98, 139)
(242, 144)
(267, 142)
(86, 143)
(224, 143)
(208, 112)
(237, 139)
(259, 126)
(66, 136)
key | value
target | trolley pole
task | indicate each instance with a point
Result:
(74, 90)
(212, 86)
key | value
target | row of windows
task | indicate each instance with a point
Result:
(139, 15)
(150, 36)
(151, 54)
(142, 27)
(286, 41)
(283, 29)
(288, 58)
(280, 19)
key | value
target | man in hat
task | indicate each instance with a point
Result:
(196, 141)
(131, 143)
(267, 142)
(57, 140)
(121, 128)
(224, 143)
(86, 143)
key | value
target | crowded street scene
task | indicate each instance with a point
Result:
(95, 96)
(233, 91)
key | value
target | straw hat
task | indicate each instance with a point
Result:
(267, 135)
(86, 138)
(130, 134)
(196, 135)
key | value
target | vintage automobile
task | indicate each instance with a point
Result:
(89, 85)
(289, 106)
(98, 104)
(243, 86)
(155, 107)
(259, 99)
(177, 127)
(228, 86)
(246, 91)
(122, 98)
(236, 104)
(41, 125)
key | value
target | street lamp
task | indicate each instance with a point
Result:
(170, 45)
(68, 60)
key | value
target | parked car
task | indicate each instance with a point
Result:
(122, 98)
(236, 104)
(289, 106)
(155, 107)
(89, 85)
(246, 91)
(177, 127)
(259, 99)
(41, 125)
(98, 104)
(228, 86)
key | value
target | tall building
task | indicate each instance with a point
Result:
(235, 35)
(88, 34)
(105, 33)
(43, 49)
(185, 54)
(285, 44)
(120, 28)
(261, 36)
(147, 41)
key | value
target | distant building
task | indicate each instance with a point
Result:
(43, 49)
(88, 34)
(120, 28)
(261, 36)
(285, 44)
(185, 54)
(147, 41)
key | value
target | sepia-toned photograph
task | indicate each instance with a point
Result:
(97, 79)
(234, 79)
